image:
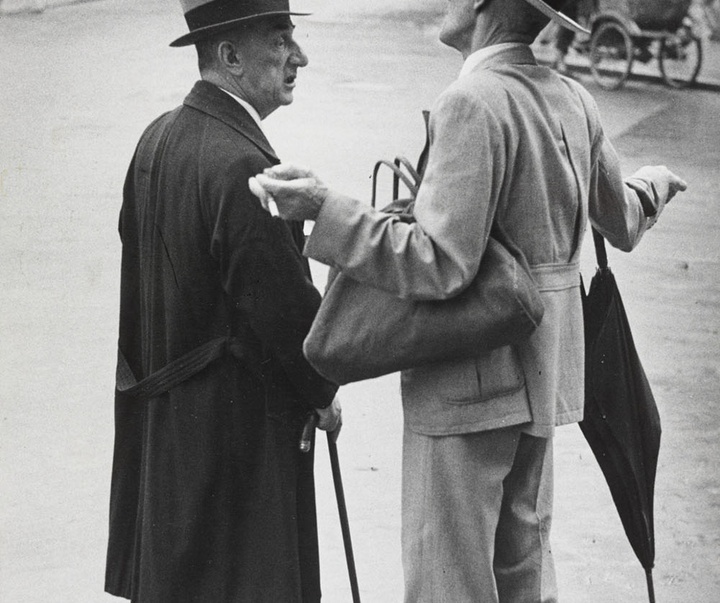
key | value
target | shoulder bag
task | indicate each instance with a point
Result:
(361, 332)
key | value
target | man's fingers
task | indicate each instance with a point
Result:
(330, 418)
(329, 421)
(274, 186)
(256, 189)
(674, 181)
(287, 171)
(265, 198)
(299, 199)
(667, 183)
(680, 184)
(675, 185)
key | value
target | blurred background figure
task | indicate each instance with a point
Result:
(564, 37)
(706, 15)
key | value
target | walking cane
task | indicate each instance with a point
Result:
(305, 445)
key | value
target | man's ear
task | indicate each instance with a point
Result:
(228, 56)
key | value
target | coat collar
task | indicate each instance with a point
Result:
(498, 55)
(216, 103)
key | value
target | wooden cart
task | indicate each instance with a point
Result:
(625, 31)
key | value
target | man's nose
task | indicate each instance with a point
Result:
(299, 57)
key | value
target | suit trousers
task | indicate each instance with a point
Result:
(476, 516)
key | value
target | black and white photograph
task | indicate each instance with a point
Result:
(329, 301)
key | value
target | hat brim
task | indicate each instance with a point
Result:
(557, 17)
(204, 32)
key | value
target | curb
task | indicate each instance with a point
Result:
(700, 84)
(708, 86)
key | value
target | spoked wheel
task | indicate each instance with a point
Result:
(680, 58)
(611, 55)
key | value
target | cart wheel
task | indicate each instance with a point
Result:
(611, 55)
(680, 58)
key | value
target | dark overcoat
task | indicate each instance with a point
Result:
(211, 499)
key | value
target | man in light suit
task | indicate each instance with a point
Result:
(515, 143)
(212, 499)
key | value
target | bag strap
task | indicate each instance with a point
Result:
(413, 172)
(398, 174)
(400, 160)
(169, 376)
(600, 251)
(423, 158)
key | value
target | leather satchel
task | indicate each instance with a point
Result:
(361, 332)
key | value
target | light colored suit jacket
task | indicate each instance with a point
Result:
(514, 142)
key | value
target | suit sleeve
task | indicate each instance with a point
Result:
(437, 256)
(621, 209)
(263, 272)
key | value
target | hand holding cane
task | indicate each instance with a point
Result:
(305, 446)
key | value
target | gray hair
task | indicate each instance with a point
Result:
(207, 47)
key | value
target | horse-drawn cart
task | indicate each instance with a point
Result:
(625, 31)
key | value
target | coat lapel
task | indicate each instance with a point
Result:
(211, 100)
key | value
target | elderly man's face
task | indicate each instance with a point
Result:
(270, 58)
(457, 26)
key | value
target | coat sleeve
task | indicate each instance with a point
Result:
(437, 256)
(263, 272)
(615, 207)
(621, 209)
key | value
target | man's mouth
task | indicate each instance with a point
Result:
(290, 80)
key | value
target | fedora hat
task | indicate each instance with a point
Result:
(206, 17)
(558, 17)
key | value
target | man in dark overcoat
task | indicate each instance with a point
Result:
(211, 499)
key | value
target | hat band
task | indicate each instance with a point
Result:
(222, 11)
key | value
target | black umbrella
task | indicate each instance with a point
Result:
(621, 423)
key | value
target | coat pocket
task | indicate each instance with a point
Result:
(488, 377)
(474, 394)
(466, 381)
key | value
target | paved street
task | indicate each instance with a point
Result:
(79, 85)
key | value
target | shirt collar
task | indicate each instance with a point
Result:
(248, 107)
(485, 54)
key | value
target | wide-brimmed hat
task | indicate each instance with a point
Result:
(207, 17)
(558, 17)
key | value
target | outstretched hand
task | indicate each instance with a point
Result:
(297, 193)
(666, 183)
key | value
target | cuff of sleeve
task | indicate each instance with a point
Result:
(646, 192)
(649, 198)
(334, 218)
(324, 395)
